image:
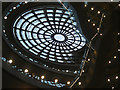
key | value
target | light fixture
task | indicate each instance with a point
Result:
(115, 57)
(10, 61)
(98, 29)
(75, 71)
(118, 50)
(100, 34)
(93, 24)
(88, 20)
(4, 31)
(5, 17)
(104, 16)
(67, 71)
(119, 4)
(26, 1)
(79, 83)
(26, 70)
(85, 5)
(108, 80)
(98, 12)
(83, 70)
(92, 9)
(116, 77)
(88, 59)
(42, 77)
(118, 33)
(56, 80)
(14, 7)
(109, 62)
(112, 87)
(68, 82)
(111, 0)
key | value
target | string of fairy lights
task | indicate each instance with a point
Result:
(56, 81)
(114, 58)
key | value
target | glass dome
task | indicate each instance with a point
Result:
(49, 33)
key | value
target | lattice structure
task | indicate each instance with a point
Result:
(49, 33)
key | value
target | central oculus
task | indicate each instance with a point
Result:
(59, 37)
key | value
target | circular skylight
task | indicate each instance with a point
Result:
(49, 33)
(59, 37)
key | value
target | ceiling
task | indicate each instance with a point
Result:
(103, 64)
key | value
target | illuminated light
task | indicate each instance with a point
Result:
(116, 77)
(26, 70)
(92, 9)
(85, 5)
(68, 82)
(5, 17)
(111, 0)
(101, 34)
(98, 12)
(56, 80)
(108, 80)
(14, 7)
(115, 57)
(119, 5)
(93, 24)
(10, 61)
(88, 20)
(4, 31)
(109, 62)
(118, 33)
(67, 71)
(79, 83)
(83, 70)
(112, 87)
(98, 29)
(88, 59)
(118, 50)
(42, 77)
(26, 1)
(75, 71)
(104, 16)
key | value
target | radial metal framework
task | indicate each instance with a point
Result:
(49, 33)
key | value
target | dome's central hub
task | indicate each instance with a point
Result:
(59, 37)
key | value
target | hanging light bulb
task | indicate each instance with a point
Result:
(85, 5)
(26, 70)
(119, 4)
(116, 77)
(10, 61)
(92, 9)
(26, 1)
(112, 87)
(98, 12)
(56, 80)
(98, 29)
(88, 20)
(14, 7)
(88, 59)
(115, 57)
(93, 24)
(42, 77)
(108, 80)
(5, 17)
(109, 62)
(68, 82)
(100, 34)
(79, 83)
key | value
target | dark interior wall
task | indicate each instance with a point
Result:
(10, 81)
